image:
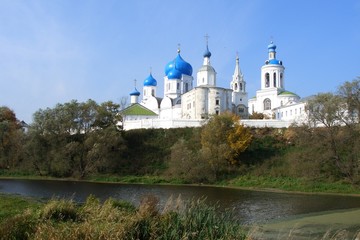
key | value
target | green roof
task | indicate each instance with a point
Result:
(137, 109)
(288, 93)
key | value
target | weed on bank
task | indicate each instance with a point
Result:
(114, 219)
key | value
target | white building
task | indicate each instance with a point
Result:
(184, 104)
(272, 99)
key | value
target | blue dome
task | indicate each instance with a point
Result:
(179, 64)
(207, 53)
(275, 61)
(169, 67)
(174, 74)
(135, 93)
(271, 47)
(150, 81)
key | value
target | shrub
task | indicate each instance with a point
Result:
(60, 210)
(21, 226)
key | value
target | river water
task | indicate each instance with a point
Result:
(250, 206)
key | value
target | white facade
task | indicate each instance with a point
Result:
(187, 105)
(183, 101)
(272, 99)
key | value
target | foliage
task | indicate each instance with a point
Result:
(188, 165)
(111, 220)
(11, 139)
(350, 92)
(74, 139)
(338, 137)
(59, 210)
(222, 141)
(257, 115)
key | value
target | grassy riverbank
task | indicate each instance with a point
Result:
(267, 183)
(26, 218)
(248, 182)
(63, 219)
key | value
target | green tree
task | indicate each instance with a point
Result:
(187, 165)
(334, 135)
(75, 138)
(350, 92)
(11, 138)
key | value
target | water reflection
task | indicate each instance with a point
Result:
(249, 206)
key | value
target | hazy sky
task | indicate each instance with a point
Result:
(53, 51)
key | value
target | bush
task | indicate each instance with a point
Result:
(60, 210)
(21, 226)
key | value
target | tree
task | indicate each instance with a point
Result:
(186, 164)
(75, 138)
(11, 136)
(223, 138)
(326, 109)
(350, 92)
(335, 136)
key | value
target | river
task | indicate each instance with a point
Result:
(250, 206)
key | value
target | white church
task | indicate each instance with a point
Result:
(185, 104)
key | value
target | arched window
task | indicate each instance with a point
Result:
(241, 87)
(267, 79)
(236, 86)
(267, 104)
(152, 92)
(281, 80)
(274, 79)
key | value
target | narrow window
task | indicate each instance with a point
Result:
(236, 86)
(274, 79)
(178, 86)
(241, 88)
(217, 102)
(217, 112)
(152, 92)
(186, 87)
(267, 79)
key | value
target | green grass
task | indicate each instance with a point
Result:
(135, 179)
(10, 205)
(292, 184)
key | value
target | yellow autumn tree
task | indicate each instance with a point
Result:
(223, 138)
(239, 138)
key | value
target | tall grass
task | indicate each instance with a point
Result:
(112, 219)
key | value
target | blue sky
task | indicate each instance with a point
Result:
(53, 51)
